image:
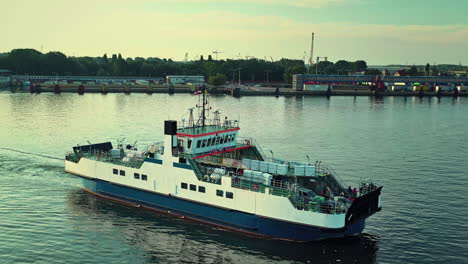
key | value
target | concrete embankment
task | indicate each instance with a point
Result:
(262, 91)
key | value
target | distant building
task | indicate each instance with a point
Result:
(386, 72)
(5, 72)
(5, 78)
(182, 79)
(390, 69)
(401, 73)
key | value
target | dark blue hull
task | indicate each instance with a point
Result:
(234, 220)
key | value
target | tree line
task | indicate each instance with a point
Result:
(33, 62)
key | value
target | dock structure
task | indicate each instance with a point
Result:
(300, 80)
(45, 78)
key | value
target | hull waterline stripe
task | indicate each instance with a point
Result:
(188, 217)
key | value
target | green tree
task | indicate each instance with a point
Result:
(435, 71)
(201, 58)
(342, 67)
(210, 58)
(360, 66)
(413, 71)
(218, 79)
(373, 72)
(25, 61)
(55, 62)
(297, 69)
(427, 69)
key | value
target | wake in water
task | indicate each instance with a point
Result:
(33, 154)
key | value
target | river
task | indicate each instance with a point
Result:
(415, 147)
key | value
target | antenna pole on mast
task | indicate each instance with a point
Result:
(203, 106)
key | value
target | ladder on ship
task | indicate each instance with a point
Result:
(196, 168)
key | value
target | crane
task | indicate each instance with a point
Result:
(186, 57)
(217, 52)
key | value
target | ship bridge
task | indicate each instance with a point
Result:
(195, 140)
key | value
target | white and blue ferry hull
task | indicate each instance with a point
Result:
(230, 219)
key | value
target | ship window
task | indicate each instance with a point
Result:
(221, 141)
(193, 187)
(217, 140)
(229, 195)
(115, 171)
(183, 185)
(144, 177)
(122, 173)
(204, 143)
(226, 138)
(198, 143)
(189, 143)
(201, 189)
(219, 193)
(208, 143)
(136, 175)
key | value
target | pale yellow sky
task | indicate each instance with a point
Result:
(157, 29)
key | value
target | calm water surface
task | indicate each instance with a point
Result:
(416, 148)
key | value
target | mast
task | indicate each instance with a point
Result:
(203, 106)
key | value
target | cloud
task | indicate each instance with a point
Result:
(94, 31)
(292, 3)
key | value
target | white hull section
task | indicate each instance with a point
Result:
(166, 179)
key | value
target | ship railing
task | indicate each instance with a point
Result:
(251, 141)
(212, 159)
(290, 191)
(72, 156)
(367, 186)
(326, 206)
(105, 156)
(332, 178)
(225, 124)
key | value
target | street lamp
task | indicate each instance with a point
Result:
(267, 71)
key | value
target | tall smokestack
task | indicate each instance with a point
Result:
(311, 60)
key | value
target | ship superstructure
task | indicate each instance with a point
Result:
(204, 171)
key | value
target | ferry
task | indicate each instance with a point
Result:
(205, 172)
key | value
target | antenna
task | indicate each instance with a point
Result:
(186, 57)
(216, 120)
(190, 121)
(311, 60)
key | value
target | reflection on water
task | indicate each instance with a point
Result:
(415, 148)
(158, 233)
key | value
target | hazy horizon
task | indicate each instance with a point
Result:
(379, 32)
